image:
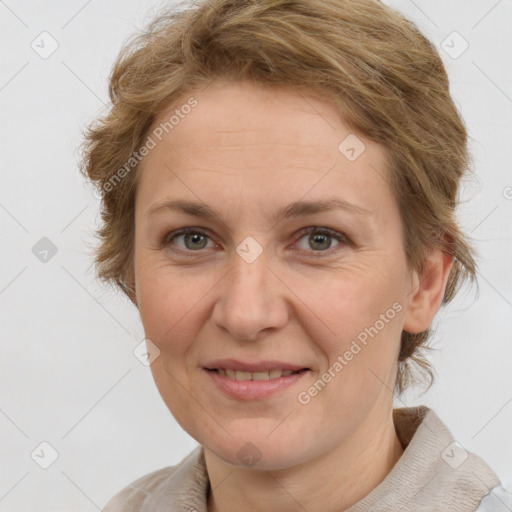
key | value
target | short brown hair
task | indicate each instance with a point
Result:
(387, 80)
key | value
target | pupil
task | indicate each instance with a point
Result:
(325, 238)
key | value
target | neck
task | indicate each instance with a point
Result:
(332, 482)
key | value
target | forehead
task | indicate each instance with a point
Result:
(264, 143)
(245, 114)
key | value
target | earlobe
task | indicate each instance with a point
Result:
(427, 292)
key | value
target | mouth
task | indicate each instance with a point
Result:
(241, 375)
(254, 385)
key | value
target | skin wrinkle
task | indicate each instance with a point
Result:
(329, 453)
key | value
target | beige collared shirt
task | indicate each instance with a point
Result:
(434, 473)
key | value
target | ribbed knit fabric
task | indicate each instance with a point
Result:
(433, 474)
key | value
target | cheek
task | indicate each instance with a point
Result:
(365, 317)
(353, 299)
(172, 305)
(162, 301)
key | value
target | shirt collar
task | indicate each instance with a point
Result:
(434, 471)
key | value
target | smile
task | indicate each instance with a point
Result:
(243, 385)
(243, 375)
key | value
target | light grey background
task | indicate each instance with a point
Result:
(68, 374)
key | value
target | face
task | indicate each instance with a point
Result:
(266, 279)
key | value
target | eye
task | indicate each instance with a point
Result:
(193, 239)
(320, 239)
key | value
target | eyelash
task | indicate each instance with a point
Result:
(340, 237)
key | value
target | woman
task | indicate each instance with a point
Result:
(312, 153)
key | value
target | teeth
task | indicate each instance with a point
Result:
(241, 375)
(260, 375)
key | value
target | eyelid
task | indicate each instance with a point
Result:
(338, 235)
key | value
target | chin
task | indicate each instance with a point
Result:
(259, 452)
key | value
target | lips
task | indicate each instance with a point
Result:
(254, 385)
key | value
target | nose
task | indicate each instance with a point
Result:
(251, 300)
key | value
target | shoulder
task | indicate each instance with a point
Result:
(499, 499)
(185, 482)
(132, 497)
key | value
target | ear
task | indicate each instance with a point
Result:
(427, 292)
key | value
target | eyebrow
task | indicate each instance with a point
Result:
(296, 209)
